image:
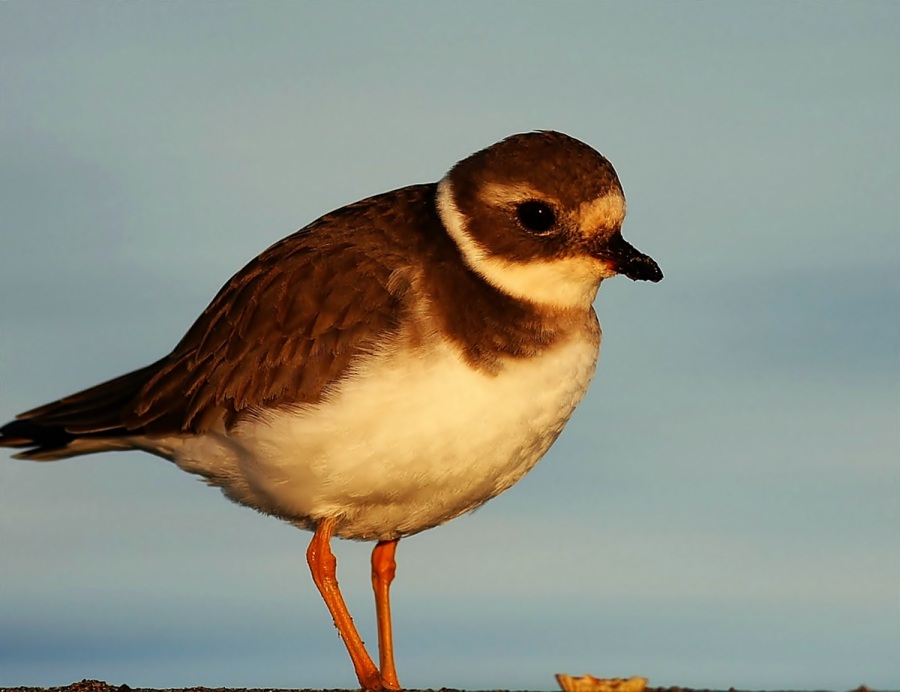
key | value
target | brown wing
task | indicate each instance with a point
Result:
(280, 332)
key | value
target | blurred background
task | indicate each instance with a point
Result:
(723, 508)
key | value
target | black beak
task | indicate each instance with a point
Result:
(625, 259)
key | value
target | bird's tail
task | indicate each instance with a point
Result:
(89, 421)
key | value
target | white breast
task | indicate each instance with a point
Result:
(409, 442)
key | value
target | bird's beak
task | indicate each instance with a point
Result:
(623, 258)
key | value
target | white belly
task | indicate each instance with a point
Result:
(407, 443)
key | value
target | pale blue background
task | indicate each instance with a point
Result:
(723, 508)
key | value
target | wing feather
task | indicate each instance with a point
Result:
(282, 332)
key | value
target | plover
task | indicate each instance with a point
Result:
(392, 365)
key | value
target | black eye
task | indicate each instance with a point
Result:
(536, 216)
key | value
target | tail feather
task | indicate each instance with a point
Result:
(88, 421)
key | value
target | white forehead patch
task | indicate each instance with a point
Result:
(604, 212)
(571, 282)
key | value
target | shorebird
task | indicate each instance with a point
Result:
(389, 367)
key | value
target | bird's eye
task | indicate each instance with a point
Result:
(537, 217)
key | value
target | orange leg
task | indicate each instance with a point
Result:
(383, 569)
(323, 566)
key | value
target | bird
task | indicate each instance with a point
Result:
(389, 367)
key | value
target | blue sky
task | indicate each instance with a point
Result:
(721, 511)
